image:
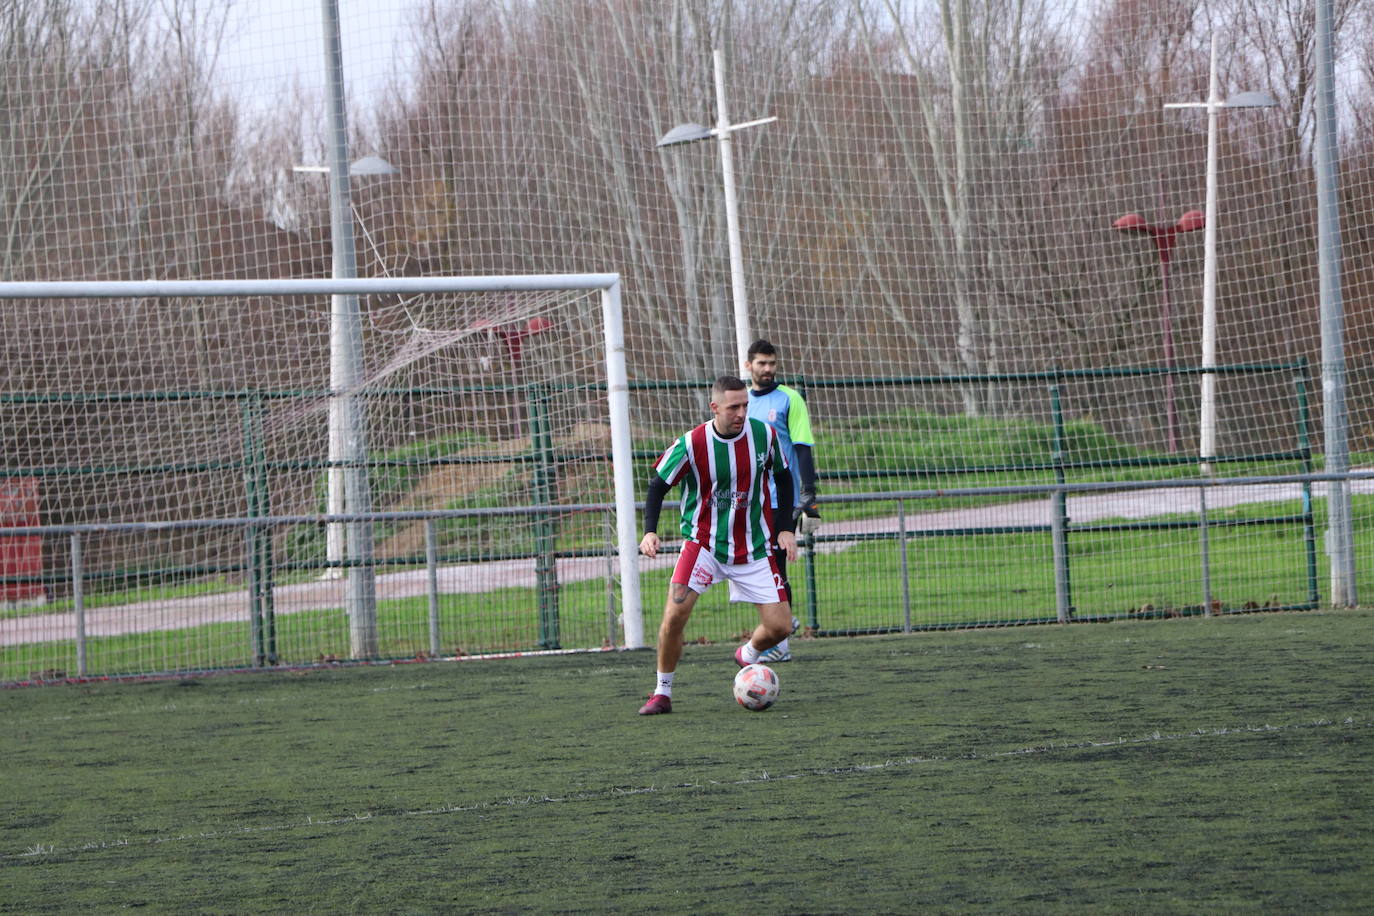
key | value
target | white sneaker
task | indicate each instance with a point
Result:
(779, 653)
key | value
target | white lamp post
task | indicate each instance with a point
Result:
(1214, 104)
(338, 447)
(689, 133)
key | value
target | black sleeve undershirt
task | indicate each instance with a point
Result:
(783, 515)
(807, 466)
(653, 501)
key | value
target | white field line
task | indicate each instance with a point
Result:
(1203, 733)
(476, 578)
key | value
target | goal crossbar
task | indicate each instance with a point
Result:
(165, 289)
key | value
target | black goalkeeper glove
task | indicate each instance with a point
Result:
(807, 516)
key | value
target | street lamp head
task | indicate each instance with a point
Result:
(1191, 221)
(685, 133)
(368, 165)
(372, 165)
(1131, 222)
(1251, 99)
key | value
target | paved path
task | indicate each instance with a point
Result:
(230, 607)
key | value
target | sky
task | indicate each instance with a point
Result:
(269, 45)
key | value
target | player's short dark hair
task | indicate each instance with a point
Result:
(760, 346)
(726, 383)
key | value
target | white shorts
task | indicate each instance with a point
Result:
(757, 581)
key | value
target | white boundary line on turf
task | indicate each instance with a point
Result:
(41, 849)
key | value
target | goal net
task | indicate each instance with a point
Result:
(989, 254)
(183, 442)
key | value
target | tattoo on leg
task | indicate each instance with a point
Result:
(680, 593)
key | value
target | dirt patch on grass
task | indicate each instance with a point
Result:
(449, 485)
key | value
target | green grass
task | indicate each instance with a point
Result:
(909, 438)
(1182, 766)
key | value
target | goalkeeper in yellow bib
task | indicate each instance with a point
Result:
(784, 409)
(726, 467)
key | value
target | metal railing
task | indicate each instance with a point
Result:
(262, 615)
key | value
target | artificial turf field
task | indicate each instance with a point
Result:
(1196, 765)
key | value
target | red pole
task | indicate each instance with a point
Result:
(1164, 238)
(1167, 320)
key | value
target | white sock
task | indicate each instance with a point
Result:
(665, 683)
(782, 647)
(750, 654)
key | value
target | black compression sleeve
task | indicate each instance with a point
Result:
(783, 515)
(807, 466)
(653, 501)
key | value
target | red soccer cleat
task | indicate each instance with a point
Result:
(658, 705)
(739, 657)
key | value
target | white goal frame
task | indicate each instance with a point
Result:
(361, 584)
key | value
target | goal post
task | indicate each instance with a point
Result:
(507, 347)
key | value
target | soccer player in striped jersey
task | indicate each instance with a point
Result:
(725, 467)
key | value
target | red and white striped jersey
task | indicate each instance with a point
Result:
(725, 486)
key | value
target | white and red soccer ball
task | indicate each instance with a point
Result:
(756, 687)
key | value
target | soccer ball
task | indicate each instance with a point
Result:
(756, 687)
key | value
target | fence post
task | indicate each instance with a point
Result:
(809, 546)
(1059, 520)
(432, 567)
(259, 546)
(812, 600)
(257, 650)
(1300, 380)
(545, 490)
(906, 577)
(79, 604)
(1204, 547)
(612, 631)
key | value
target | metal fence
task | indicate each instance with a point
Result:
(938, 543)
(448, 605)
